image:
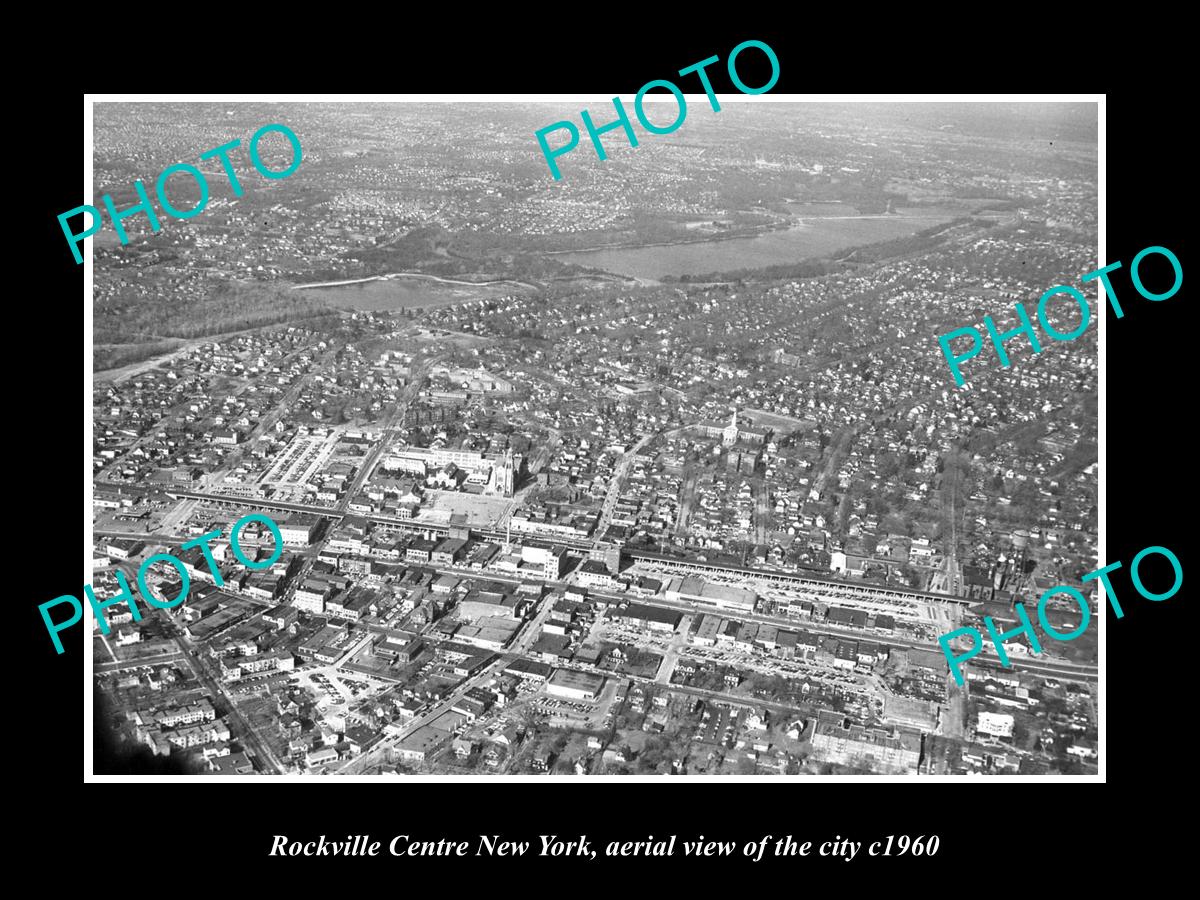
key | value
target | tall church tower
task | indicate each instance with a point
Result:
(730, 435)
(505, 476)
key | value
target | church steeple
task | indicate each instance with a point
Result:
(729, 434)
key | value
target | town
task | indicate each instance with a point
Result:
(544, 511)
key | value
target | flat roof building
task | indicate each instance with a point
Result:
(641, 616)
(575, 685)
(694, 589)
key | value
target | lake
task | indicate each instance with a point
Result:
(820, 235)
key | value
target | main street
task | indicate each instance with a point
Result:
(520, 646)
(1064, 669)
(379, 753)
(394, 414)
(614, 484)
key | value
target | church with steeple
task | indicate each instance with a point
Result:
(730, 432)
(504, 475)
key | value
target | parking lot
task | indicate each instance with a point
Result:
(335, 689)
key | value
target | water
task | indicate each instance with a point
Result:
(810, 238)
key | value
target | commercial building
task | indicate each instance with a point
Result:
(594, 573)
(528, 670)
(312, 594)
(549, 559)
(997, 725)
(694, 589)
(639, 615)
(706, 634)
(422, 744)
(123, 548)
(575, 685)
(402, 649)
(322, 756)
(448, 551)
(326, 646)
(299, 530)
(420, 550)
(840, 615)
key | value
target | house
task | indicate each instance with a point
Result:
(541, 761)
(464, 747)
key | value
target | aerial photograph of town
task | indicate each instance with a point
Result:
(656, 468)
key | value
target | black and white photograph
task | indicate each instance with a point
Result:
(473, 438)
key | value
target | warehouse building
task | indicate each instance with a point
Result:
(638, 615)
(575, 685)
(694, 589)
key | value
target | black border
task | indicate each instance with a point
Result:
(1148, 456)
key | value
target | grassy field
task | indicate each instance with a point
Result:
(405, 293)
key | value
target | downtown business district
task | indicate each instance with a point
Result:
(999, 639)
(482, 622)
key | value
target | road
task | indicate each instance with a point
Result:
(118, 666)
(394, 414)
(520, 646)
(702, 693)
(762, 511)
(946, 581)
(838, 447)
(378, 754)
(674, 648)
(1066, 670)
(687, 500)
(438, 278)
(267, 760)
(620, 470)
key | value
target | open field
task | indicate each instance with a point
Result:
(407, 292)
